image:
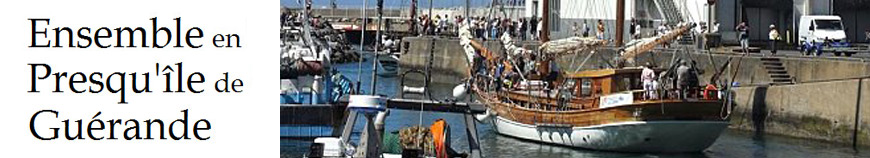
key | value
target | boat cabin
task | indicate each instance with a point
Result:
(596, 83)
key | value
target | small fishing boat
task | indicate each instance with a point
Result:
(388, 65)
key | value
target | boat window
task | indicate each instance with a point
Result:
(586, 88)
(568, 83)
(635, 82)
(628, 82)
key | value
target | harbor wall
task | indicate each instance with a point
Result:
(813, 70)
(821, 110)
(449, 62)
(821, 105)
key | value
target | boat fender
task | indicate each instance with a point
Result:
(380, 118)
(459, 91)
(485, 117)
(416, 90)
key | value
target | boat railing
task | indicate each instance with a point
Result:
(698, 93)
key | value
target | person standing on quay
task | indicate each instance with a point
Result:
(631, 30)
(867, 35)
(575, 29)
(585, 29)
(773, 36)
(523, 27)
(600, 29)
(533, 27)
(743, 30)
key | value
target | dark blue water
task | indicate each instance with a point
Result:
(732, 143)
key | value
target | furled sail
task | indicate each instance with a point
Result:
(571, 45)
(647, 44)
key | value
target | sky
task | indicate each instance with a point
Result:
(388, 3)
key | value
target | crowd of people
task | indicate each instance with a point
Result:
(437, 25)
(486, 28)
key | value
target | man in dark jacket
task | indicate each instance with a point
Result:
(683, 75)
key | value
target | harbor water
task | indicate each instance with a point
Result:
(732, 143)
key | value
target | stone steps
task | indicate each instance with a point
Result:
(777, 72)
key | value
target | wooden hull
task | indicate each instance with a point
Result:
(643, 126)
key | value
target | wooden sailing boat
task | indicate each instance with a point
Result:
(602, 109)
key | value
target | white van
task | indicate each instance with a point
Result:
(818, 27)
(815, 30)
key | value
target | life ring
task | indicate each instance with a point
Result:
(709, 92)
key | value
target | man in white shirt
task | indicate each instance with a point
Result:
(648, 76)
(637, 33)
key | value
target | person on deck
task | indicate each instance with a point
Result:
(530, 65)
(553, 74)
(648, 76)
(693, 83)
(683, 75)
(499, 74)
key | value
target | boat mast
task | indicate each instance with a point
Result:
(306, 27)
(377, 44)
(413, 12)
(545, 22)
(620, 22)
(362, 39)
(467, 12)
